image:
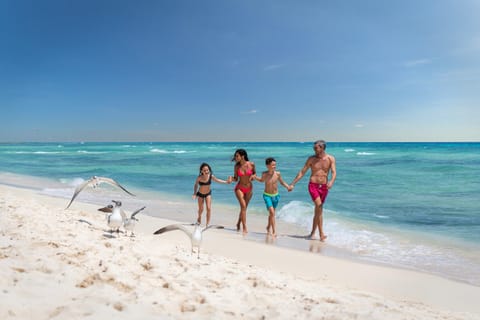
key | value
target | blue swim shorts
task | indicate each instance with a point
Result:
(271, 200)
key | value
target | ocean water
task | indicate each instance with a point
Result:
(409, 205)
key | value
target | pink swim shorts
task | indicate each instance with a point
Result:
(318, 190)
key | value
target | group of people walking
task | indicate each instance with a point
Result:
(322, 177)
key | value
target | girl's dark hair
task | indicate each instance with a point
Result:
(241, 152)
(205, 165)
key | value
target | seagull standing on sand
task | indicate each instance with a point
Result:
(128, 223)
(116, 217)
(195, 236)
(95, 182)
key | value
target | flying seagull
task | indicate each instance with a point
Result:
(195, 235)
(95, 182)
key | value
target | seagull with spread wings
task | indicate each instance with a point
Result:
(95, 181)
(129, 223)
(195, 235)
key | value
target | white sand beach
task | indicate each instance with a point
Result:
(54, 265)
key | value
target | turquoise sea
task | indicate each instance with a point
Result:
(410, 205)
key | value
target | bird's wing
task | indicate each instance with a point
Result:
(173, 227)
(78, 190)
(108, 208)
(113, 183)
(214, 226)
(136, 212)
(123, 214)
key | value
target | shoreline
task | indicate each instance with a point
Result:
(47, 252)
(182, 209)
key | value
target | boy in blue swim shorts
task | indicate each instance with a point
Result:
(271, 177)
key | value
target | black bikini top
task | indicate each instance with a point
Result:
(206, 183)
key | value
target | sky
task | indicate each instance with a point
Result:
(246, 70)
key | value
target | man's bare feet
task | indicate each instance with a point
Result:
(313, 237)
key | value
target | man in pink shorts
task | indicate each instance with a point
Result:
(318, 190)
(320, 164)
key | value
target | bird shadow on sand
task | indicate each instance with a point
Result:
(111, 235)
(85, 221)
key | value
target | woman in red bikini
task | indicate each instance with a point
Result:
(243, 172)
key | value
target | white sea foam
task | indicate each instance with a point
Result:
(91, 152)
(365, 153)
(391, 247)
(349, 150)
(296, 212)
(35, 152)
(367, 242)
(167, 151)
(75, 182)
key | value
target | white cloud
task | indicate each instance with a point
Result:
(273, 67)
(359, 125)
(418, 62)
(252, 111)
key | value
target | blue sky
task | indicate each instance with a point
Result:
(239, 70)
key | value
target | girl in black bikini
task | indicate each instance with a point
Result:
(203, 192)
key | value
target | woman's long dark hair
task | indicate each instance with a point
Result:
(241, 152)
